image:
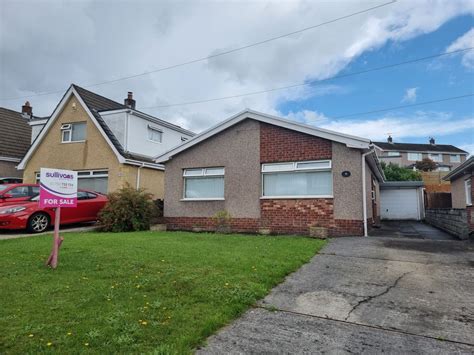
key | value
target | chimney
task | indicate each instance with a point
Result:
(27, 110)
(432, 141)
(129, 101)
(390, 139)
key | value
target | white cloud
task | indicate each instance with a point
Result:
(421, 124)
(307, 116)
(468, 148)
(410, 95)
(101, 42)
(463, 42)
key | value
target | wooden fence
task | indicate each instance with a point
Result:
(437, 200)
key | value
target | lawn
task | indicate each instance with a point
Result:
(159, 292)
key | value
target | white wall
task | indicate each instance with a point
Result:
(139, 143)
(117, 123)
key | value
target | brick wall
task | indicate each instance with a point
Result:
(245, 225)
(279, 145)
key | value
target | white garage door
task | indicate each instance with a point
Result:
(399, 204)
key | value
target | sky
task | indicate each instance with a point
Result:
(46, 45)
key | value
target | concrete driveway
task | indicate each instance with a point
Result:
(371, 295)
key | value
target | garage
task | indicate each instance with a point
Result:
(401, 200)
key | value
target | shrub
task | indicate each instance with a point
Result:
(395, 173)
(128, 209)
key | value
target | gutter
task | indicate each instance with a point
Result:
(364, 191)
(144, 165)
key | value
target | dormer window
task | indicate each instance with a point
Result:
(73, 132)
(155, 135)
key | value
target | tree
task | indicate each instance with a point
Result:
(394, 172)
(426, 165)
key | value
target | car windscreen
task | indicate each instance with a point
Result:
(3, 187)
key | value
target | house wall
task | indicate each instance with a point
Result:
(403, 161)
(242, 149)
(458, 192)
(94, 153)
(237, 149)
(8, 169)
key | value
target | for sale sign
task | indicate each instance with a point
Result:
(58, 188)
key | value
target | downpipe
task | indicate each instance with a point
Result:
(364, 192)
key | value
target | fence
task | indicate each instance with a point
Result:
(453, 221)
(437, 200)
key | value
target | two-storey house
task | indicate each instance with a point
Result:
(447, 157)
(108, 143)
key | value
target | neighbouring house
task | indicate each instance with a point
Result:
(15, 138)
(272, 175)
(447, 157)
(108, 143)
(459, 220)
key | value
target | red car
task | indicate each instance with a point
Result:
(28, 214)
(17, 192)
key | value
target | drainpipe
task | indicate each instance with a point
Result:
(138, 175)
(364, 192)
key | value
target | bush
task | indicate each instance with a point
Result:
(128, 209)
(395, 173)
(426, 165)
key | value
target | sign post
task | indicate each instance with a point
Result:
(58, 189)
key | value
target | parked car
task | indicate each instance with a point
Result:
(10, 193)
(10, 180)
(28, 214)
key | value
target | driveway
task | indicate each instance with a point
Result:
(371, 295)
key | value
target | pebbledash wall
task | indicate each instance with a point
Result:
(242, 149)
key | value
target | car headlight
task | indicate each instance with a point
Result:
(12, 210)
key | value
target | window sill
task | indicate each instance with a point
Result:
(73, 142)
(149, 140)
(202, 199)
(294, 197)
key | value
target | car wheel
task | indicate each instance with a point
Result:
(38, 223)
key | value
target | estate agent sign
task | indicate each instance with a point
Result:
(58, 188)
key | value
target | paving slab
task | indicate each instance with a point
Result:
(264, 332)
(371, 295)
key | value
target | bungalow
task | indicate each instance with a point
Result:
(108, 143)
(270, 173)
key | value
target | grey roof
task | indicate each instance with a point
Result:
(415, 147)
(15, 134)
(466, 167)
(395, 184)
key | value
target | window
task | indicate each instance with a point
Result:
(204, 184)
(21, 191)
(443, 168)
(435, 157)
(297, 179)
(468, 186)
(94, 180)
(455, 158)
(73, 132)
(393, 154)
(415, 157)
(154, 134)
(83, 195)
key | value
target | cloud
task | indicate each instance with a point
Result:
(410, 95)
(421, 124)
(101, 42)
(306, 116)
(468, 148)
(463, 42)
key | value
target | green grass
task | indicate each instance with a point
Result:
(146, 292)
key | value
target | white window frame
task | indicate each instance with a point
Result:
(458, 158)
(419, 155)
(202, 172)
(467, 190)
(293, 167)
(393, 154)
(155, 129)
(431, 155)
(67, 128)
